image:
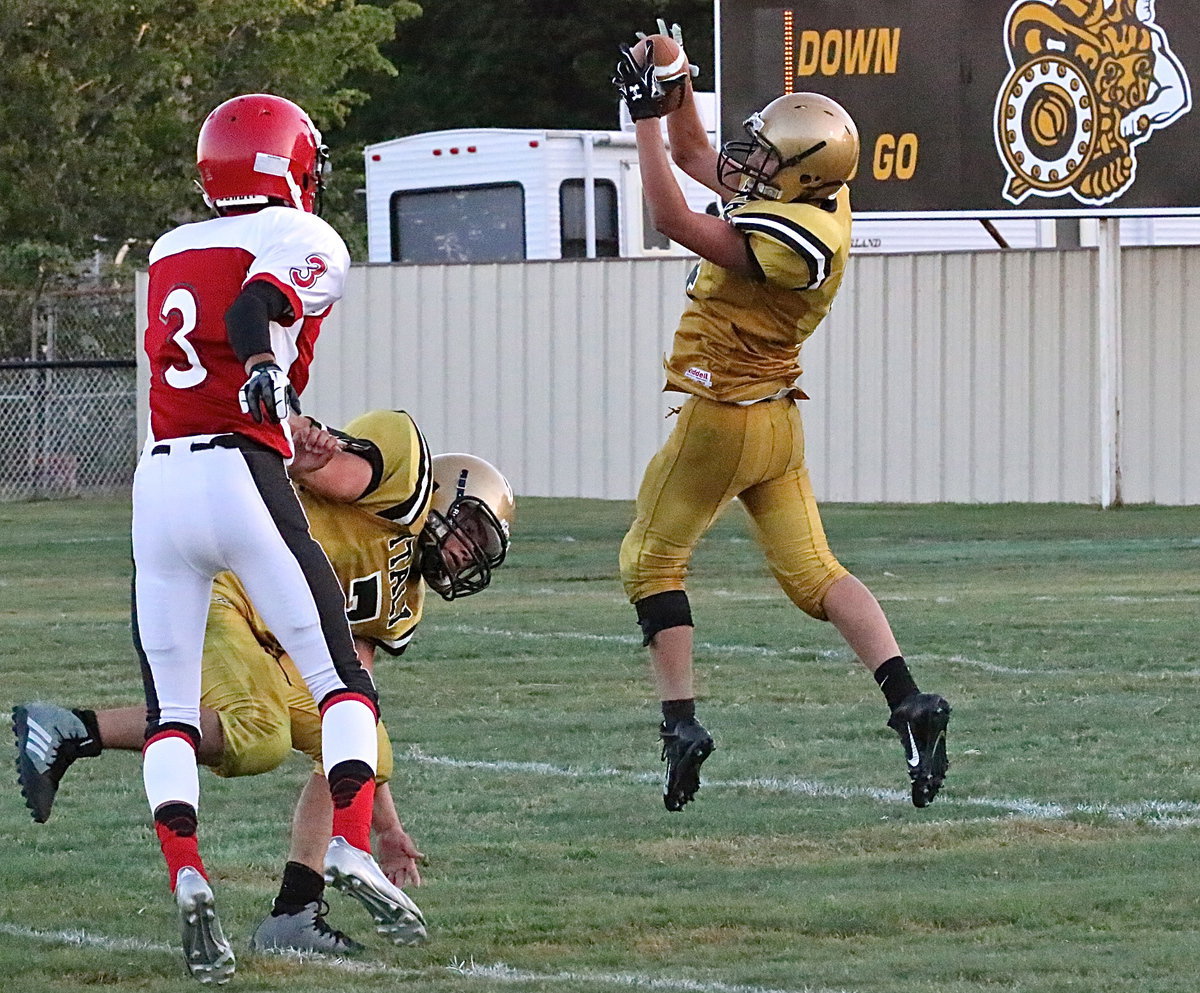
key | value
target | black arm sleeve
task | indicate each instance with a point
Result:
(248, 317)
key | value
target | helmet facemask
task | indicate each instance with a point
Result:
(459, 549)
(746, 167)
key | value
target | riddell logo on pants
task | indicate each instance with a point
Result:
(701, 376)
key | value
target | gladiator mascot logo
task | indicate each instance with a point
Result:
(1090, 80)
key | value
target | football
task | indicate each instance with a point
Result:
(670, 67)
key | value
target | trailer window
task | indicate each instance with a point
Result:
(573, 219)
(459, 224)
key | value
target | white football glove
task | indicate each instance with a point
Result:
(675, 32)
(265, 393)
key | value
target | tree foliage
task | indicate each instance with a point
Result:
(103, 100)
(520, 63)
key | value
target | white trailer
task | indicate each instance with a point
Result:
(507, 194)
(503, 195)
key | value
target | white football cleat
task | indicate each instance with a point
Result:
(357, 874)
(208, 955)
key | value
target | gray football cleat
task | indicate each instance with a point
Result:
(49, 739)
(208, 955)
(357, 874)
(304, 931)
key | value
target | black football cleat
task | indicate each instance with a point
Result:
(684, 748)
(49, 739)
(921, 721)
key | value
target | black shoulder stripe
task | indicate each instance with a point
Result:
(409, 510)
(397, 647)
(795, 236)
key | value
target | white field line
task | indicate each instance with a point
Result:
(84, 939)
(760, 651)
(1155, 813)
(629, 980)
(799, 654)
(496, 972)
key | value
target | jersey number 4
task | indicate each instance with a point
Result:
(181, 301)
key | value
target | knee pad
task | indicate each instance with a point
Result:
(661, 611)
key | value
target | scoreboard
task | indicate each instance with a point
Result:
(986, 108)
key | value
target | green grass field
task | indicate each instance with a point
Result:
(1060, 856)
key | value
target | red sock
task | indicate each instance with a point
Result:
(352, 786)
(175, 825)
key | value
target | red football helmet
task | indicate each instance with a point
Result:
(259, 149)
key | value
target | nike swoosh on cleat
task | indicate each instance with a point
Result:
(913, 757)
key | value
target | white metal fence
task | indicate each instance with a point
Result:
(960, 377)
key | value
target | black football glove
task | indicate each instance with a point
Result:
(639, 89)
(265, 393)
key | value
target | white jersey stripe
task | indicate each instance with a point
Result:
(800, 240)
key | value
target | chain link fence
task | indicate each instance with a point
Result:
(68, 393)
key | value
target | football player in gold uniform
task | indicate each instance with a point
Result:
(770, 267)
(392, 521)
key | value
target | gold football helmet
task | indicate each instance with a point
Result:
(467, 533)
(803, 146)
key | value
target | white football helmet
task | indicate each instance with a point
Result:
(467, 533)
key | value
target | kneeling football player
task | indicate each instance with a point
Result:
(393, 520)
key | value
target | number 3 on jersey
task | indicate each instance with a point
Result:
(181, 301)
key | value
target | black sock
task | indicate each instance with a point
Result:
(675, 711)
(301, 886)
(896, 681)
(94, 746)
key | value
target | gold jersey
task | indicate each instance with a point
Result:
(739, 338)
(372, 542)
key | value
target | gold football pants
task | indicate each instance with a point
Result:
(716, 452)
(262, 703)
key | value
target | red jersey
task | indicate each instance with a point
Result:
(196, 272)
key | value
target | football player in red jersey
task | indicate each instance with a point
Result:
(235, 304)
(770, 266)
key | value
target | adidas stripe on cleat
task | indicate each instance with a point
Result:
(49, 738)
